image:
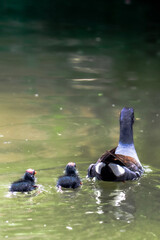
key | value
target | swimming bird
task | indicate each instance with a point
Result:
(26, 183)
(120, 163)
(70, 179)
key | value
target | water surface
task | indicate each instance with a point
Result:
(60, 99)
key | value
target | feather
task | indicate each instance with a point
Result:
(129, 162)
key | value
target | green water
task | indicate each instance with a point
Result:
(60, 98)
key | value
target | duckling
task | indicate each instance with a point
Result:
(70, 179)
(120, 163)
(26, 183)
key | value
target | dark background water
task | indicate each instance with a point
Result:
(66, 70)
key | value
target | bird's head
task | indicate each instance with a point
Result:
(127, 115)
(30, 174)
(70, 168)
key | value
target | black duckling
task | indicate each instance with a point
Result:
(26, 183)
(70, 179)
(122, 162)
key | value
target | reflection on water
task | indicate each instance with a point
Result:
(119, 196)
(118, 203)
(60, 102)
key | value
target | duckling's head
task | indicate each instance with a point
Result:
(70, 169)
(29, 174)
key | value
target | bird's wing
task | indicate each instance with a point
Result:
(129, 162)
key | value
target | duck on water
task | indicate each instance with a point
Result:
(26, 183)
(120, 163)
(70, 179)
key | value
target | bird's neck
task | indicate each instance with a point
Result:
(126, 133)
(71, 173)
(126, 144)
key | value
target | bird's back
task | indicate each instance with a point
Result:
(69, 181)
(22, 186)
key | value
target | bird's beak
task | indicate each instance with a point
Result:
(35, 173)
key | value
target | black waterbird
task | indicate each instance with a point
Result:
(26, 183)
(70, 179)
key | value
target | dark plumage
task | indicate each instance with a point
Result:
(70, 179)
(122, 162)
(26, 183)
